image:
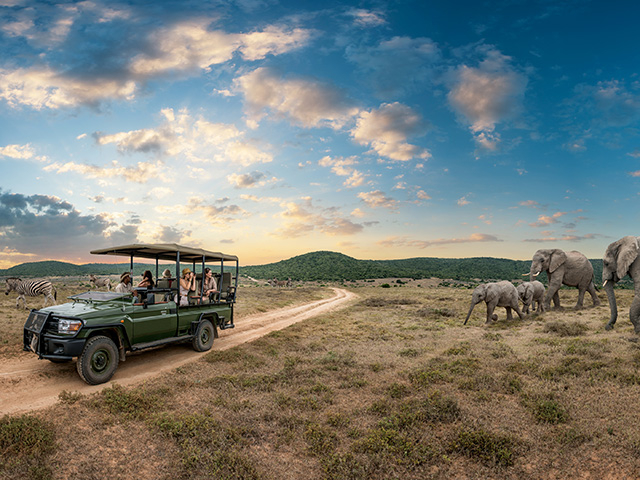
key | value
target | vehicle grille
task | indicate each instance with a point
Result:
(35, 322)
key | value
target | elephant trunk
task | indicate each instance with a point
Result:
(533, 274)
(470, 310)
(611, 296)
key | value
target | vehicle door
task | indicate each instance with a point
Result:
(154, 322)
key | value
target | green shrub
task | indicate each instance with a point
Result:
(565, 329)
(550, 411)
(491, 448)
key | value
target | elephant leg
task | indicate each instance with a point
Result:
(634, 313)
(490, 308)
(552, 293)
(519, 312)
(509, 314)
(556, 300)
(580, 298)
(594, 294)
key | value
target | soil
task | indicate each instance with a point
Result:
(27, 383)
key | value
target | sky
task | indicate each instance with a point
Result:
(268, 129)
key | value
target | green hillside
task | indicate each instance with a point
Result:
(336, 266)
(323, 266)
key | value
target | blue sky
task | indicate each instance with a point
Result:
(266, 129)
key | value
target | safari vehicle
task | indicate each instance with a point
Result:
(100, 328)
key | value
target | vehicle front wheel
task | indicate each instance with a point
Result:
(98, 361)
(204, 337)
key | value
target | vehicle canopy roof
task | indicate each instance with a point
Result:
(166, 251)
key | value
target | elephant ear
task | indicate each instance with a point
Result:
(491, 293)
(627, 254)
(558, 257)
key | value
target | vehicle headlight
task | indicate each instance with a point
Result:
(66, 326)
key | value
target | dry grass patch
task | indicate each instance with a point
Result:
(386, 388)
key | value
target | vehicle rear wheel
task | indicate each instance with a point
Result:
(204, 337)
(98, 361)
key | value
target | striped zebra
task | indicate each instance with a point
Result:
(31, 288)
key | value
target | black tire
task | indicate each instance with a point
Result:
(98, 361)
(204, 337)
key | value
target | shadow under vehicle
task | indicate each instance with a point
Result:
(99, 328)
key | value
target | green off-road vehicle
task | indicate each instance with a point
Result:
(99, 328)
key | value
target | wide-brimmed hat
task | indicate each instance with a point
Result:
(124, 275)
(166, 273)
(185, 271)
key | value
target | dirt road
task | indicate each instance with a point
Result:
(28, 383)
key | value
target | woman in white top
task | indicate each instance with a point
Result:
(187, 284)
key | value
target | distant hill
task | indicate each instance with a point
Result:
(326, 266)
(336, 266)
(52, 268)
(323, 266)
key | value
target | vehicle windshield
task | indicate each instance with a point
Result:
(98, 296)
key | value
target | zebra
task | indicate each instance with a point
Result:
(100, 282)
(31, 288)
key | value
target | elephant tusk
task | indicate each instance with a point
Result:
(525, 274)
(605, 282)
(536, 274)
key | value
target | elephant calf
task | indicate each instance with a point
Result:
(500, 294)
(532, 295)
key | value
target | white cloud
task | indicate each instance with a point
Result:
(378, 199)
(272, 41)
(191, 45)
(544, 220)
(393, 242)
(303, 218)
(487, 95)
(387, 129)
(41, 88)
(463, 201)
(142, 172)
(366, 18)
(23, 152)
(248, 180)
(305, 102)
(344, 167)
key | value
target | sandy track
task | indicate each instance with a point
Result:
(28, 383)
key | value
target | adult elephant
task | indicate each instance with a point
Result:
(620, 259)
(564, 268)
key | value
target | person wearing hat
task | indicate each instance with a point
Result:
(125, 283)
(187, 284)
(166, 273)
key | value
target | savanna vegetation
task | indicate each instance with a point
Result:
(393, 386)
(327, 266)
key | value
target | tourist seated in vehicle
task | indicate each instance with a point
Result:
(125, 283)
(147, 280)
(187, 284)
(209, 285)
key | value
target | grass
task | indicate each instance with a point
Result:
(393, 386)
(26, 444)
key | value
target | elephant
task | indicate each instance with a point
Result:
(499, 294)
(564, 268)
(531, 294)
(621, 258)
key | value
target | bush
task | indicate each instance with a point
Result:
(489, 447)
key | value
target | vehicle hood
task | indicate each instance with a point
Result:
(82, 309)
